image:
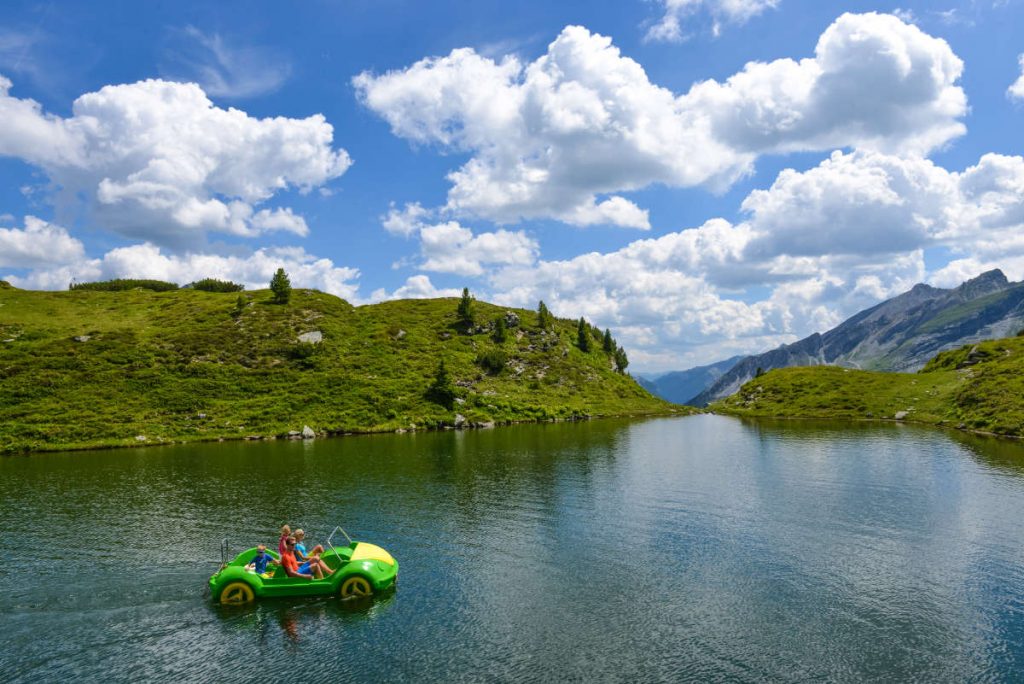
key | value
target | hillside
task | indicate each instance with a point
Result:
(82, 369)
(900, 334)
(680, 387)
(976, 387)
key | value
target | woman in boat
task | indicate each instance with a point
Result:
(311, 559)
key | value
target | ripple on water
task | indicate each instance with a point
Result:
(701, 548)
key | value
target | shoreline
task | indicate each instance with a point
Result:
(333, 434)
(904, 421)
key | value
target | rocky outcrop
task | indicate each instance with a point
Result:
(900, 334)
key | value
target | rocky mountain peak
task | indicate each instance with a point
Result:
(986, 283)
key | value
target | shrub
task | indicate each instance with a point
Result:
(500, 330)
(120, 284)
(465, 310)
(583, 335)
(544, 317)
(442, 389)
(492, 360)
(621, 361)
(214, 285)
(281, 286)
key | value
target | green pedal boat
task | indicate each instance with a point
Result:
(360, 570)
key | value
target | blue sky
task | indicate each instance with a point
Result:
(705, 177)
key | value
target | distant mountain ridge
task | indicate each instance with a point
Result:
(680, 387)
(900, 334)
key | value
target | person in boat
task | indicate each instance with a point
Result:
(310, 563)
(261, 560)
(288, 562)
(303, 557)
(314, 567)
(286, 532)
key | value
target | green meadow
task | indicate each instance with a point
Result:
(82, 369)
(977, 387)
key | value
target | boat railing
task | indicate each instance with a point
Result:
(331, 536)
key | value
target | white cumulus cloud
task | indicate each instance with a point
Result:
(815, 247)
(415, 287)
(159, 161)
(38, 244)
(562, 136)
(669, 27)
(1016, 90)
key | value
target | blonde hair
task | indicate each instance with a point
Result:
(286, 530)
(298, 534)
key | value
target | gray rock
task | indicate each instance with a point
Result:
(459, 419)
(511, 319)
(313, 337)
(82, 338)
(307, 432)
(900, 415)
(141, 438)
(294, 434)
(486, 424)
(400, 334)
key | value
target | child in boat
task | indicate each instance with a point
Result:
(260, 561)
(286, 532)
(310, 560)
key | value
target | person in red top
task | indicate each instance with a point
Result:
(291, 566)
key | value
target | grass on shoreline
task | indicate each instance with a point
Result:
(978, 387)
(85, 369)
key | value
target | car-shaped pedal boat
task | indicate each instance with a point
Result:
(360, 570)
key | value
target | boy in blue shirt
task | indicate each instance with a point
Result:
(260, 561)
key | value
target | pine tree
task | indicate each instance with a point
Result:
(240, 304)
(583, 336)
(620, 360)
(442, 389)
(609, 343)
(544, 317)
(465, 311)
(500, 330)
(281, 286)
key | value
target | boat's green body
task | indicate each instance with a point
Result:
(360, 569)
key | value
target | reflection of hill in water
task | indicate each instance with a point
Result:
(998, 452)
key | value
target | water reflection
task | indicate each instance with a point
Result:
(700, 548)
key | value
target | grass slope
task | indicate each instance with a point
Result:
(977, 387)
(179, 366)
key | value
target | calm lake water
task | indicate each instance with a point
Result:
(700, 548)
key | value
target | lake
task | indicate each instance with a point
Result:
(702, 548)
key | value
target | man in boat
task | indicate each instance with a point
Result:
(291, 566)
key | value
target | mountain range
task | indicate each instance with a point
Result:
(899, 334)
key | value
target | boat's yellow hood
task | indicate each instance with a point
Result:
(364, 551)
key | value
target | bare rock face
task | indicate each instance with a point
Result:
(307, 432)
(900, 334)
(313, 337)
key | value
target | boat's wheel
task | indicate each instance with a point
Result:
(235, 593)
(356, 587)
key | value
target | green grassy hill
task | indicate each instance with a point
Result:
(976, 387)
(150, 367)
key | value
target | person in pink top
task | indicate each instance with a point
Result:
(282, 546)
